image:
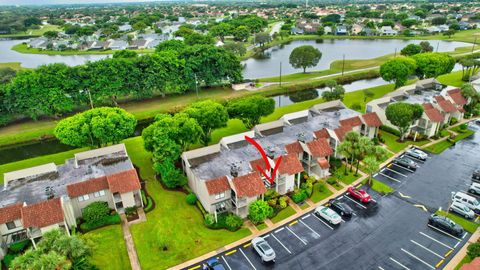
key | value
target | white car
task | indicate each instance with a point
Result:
(416, 153)
(462, 209)
(263, 249)
(328, 214)
(474, 188)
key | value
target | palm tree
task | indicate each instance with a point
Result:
(345, 149)
(354, 138)
(371, 166)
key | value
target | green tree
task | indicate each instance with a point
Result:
(337, 92)
(241, 33)
(170, 45)
(402, 115)
(250, 109)
(33, 259)
(125, 54)
(197, 38)
(258, 211)
(372, 165)
(409, 22)
(139, 26)
(433, 64)
(398, 70)
(171, 176)
(439, 20)
(221, 30)
(411, 49)
(426, 47)
(96, 127)
(304, 56)
(95, 212)
(236, 48)
(50, 34)
(210, 115)
(262, 38)
(470, 66)
(6, 75)
(449, 33)
(469, 92)
(345, 148)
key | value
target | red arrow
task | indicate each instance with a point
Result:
(270, 178)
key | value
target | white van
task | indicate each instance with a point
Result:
(468, 200)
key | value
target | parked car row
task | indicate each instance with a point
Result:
(464, 204)
(445, 224)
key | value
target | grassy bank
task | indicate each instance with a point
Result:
(23, 48)
(33, 32)
(12, 65)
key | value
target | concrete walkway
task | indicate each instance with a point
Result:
(462, 252)
(127, 236)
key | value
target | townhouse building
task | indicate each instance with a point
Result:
(440, 102)
(38, 199)
(228, 176)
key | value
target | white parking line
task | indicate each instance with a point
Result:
(363, 206)
(401, 167)
(395, 261)
(381, 268)
(396, 172)
(420, 260)
(433, 239)
(279, 230)
(457, 244)
(313, 231)
(465, 234)
(247, 259)
(304, 217)
(389, 177)
(324, 222)
(282, 244)
(266, 236)
(454, 237)
(301, 240)
(226, 263)
(427, 249)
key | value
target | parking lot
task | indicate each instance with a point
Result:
(391, 233)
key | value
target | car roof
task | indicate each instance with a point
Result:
(212, 260)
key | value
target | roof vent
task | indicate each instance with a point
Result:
(234, 169)
(49, 192)
(336, 113)
(301, 137)
(270, 152)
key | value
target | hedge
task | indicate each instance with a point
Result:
(109, 220)
(390, 130)
(149, 205)
(227, 221)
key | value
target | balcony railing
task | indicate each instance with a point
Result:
(239, 203)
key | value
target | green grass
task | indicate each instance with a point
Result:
(109, 250)
(12, 65)
(468, 225)
(23, 48)
(392, 143)
(350, 177)
(379, 187)
(173, 223)
(304, 205)
(336, 186)
(453, 79)
(34, 32)
(445, 144)
(58, 158)
(320, 192)
(353, 64)
(283, 214)
(261, 226)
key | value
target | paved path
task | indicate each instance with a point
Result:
(127, 236)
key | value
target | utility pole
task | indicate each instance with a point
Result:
(280, 74)
(343, 64)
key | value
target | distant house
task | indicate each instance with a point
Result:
(356, 29)
(443, 27)
(341, 30)
(138, 44)
(433, 30)
(95, 45)
(38, 43)
(117, 44)
(328, 30)
(368, 31)
(387, 30)
(297, 31)
(125, 28)
(464, 25)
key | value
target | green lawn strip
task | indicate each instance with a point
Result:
(12, 65)
(300, 76)
(283, 214)
(391, 141)
(468, 225)
(173, 223)
(261, 226)
(320, 193)
(453, 79)
(58, 158)
(23, 48)
(304, 206)
(109, 250)
(34, 32)
(379, 187)
(350, 177)
(439, 147)
(336, 186)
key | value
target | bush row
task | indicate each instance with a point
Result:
(105, 221)
(227, 221)
(390, 130)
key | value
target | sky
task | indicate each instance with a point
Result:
(49, 2)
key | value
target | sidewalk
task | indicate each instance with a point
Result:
(463, 252)
(127, 236)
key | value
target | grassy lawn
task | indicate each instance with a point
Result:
(261, 226)
(395, 146)
(23, 48)
(445, 144)
(173, 223)
(34, 32)
(320, 192)
(12, 65)
(58, 158)
(285, 213)
(379, 187)
(336, 186)
(353, 64)
(350, 177)
(109, 250)
(304, 205)
(453, 79)
(468, 225)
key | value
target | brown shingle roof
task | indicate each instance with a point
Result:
(433, 114)
(290, 165)
(42, 214)
(446, 105)
(249, 185)
(352, 122)
(322, 133)
(294, 148)
(10, 213)
(320, 148)
(372, 119)
(87, 187)
(217, 185)
(258, 162)
(457, 97)
(323, 163)
(341, 131)
(124, 181)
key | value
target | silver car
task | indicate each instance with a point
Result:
(416, 153)
(462, 210)
(263, 249)
(474, 188)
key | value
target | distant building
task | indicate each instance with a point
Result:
(341, 30)
(387, 30)
(125, 28)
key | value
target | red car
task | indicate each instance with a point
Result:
(359, 194)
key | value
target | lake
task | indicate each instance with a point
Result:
(268, 63)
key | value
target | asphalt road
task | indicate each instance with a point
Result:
(389, 234)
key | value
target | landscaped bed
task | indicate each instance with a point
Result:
(283, 214)
(468, 225)
(320, 192)
(392, 143)
(379, 186)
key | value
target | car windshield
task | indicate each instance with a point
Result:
(264, 247)
(475, 202)
(466, 209)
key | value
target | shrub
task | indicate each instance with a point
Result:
(233, 222)
(390, 130)
(7, 260)
(130, 210)
(191, 199)
(332, 181)
(299, 195)
(473, 250)
(272, 202)
(271, 194)
(95, 212)
(148, 205)
(335, 163)
(282, 202)
(376, 141)
(109, 220)
(19, 246)
(463, 127)
(453, 121)
(209, 220)
(258, 211)
(356, 106)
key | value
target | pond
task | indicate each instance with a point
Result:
(268, 63)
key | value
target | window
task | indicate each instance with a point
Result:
(219, 195)
(11, 225)
(83, 198)
(99, 193)
(220, 207)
